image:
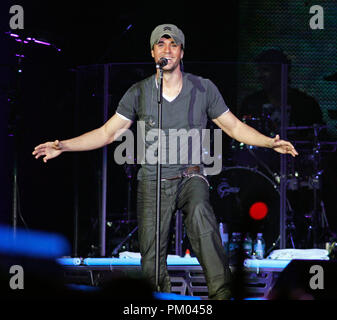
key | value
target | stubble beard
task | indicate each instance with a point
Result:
(172, 68)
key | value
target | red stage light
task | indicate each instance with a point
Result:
(258, 210)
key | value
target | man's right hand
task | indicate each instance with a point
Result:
(91, 140)
(49, 149)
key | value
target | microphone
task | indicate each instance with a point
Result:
(162, 62)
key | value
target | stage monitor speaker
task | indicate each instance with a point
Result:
(306, 280)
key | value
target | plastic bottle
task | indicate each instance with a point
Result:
(259, 247)
(224, 236)
(234, 247)
(187, 253)
(248, 246)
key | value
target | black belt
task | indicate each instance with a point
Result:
(186, 172)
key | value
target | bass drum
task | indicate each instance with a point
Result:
(232, 194)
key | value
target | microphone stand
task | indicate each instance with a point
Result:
(158, 192)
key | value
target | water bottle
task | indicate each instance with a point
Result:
(247, 246)
(187, 253)
(224, 236)
(234, 247)
(259, 247)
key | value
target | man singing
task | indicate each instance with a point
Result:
(187, 102)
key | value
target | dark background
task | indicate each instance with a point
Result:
(43, 97)
(43, 100)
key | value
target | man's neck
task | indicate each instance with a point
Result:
(171, 79)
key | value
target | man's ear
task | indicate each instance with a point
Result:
(152, 53)
(181, 54)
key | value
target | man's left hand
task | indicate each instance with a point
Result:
(283, 146)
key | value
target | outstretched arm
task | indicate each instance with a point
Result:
(238, 130)
(88, 141)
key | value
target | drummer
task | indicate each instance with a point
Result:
(265, 104)
(263, 108)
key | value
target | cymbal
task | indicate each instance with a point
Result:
(310, 141)
(315, 126)
(311, 146)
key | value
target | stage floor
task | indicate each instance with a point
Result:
(187, 278)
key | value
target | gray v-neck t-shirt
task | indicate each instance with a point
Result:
(183, 120)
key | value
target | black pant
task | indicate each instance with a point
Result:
(191, 195)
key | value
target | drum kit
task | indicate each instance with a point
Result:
(252, 175)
